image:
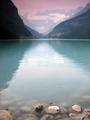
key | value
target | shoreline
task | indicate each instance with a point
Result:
(46, 39)
(50, 111)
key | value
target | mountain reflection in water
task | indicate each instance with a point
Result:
(51, 70)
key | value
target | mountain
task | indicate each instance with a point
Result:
(77, 27)
(85, 9)
(11, 24)
(35, 33)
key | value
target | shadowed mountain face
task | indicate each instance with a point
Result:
(11, 25)
(35, 33)
(10, 55)
(77, 27)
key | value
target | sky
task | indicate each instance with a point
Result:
(44, 15)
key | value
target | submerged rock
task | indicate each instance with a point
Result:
(51, 104)
(47, 117)
(53, 109)
(63, 110)
(58, 117)
(80, 117)
(87, 118)
(28, 117)
(72, 115)
(77, 108)
(39, 108)
(5, 115)
(31, 117)
(88, 111)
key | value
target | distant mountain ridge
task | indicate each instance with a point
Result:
(85, 9)
(11, 25)
(35, 33)
(77, 27)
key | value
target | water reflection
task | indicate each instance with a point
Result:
(78, 51)
(45, 70)
(10, 55)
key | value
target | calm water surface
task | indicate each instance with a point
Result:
(34, 72)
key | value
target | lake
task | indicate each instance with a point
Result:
(40, 71)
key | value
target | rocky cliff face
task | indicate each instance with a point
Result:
(77, 27)
(11, 25)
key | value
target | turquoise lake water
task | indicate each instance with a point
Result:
(45, 71)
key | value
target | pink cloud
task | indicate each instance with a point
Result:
(51, 9)
(58, 17)
(42, 5)
(37, 17)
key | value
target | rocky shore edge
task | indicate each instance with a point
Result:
(50, 112)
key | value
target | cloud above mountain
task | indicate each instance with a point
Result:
(44, 23)
(43, 15)
(46, 20)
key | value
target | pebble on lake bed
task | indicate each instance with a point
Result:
(47, 117)
(5, 115)
(28, 117)
(53, 109)
(58, 117)
(72, 115)
(88, 112)
(80, 116)
(39, 108)
(76, 108)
